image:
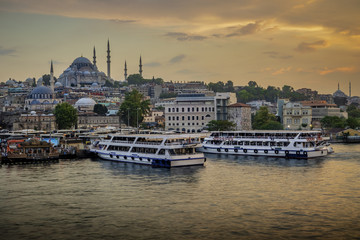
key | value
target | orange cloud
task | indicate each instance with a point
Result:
(326, 70)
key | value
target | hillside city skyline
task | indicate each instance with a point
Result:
(301, 44)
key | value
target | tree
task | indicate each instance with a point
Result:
(221, 125)
(100, 109)
(108, 84)
(353, 122)
(333, 122)
(65, 115)
(133, 109)
(353, 111)
(265, 121)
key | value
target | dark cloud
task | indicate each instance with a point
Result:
(250, 28)
(177, 58)
(277, 55)
(184, 36)
(152, 64)
(305, 47)
(7, 51)
(122, 21)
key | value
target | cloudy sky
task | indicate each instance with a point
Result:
(301, 43)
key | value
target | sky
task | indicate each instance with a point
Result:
(302, 43)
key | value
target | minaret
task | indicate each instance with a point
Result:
(94, 57)
(125, 71)
(140, 67)
(349, 88)
(108, 59)
(338, 86)
(52, 82)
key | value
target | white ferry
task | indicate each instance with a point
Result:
(289, 144)
(157, 150)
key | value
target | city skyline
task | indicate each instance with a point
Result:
(305, 44)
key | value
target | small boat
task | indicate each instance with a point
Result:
(157, 150)
(288, 144)
(22, 150)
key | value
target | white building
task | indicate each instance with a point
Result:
(296, 116)
(192, 112)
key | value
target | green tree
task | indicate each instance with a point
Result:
(353, 122)
(221, 125)
(244, 96)
(333, 122)
(134, 108)
(264, 120)
(353, 111)
(108, 84)
(100, 109)
(167, 95)
(66, 116)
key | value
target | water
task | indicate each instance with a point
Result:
(229, 198)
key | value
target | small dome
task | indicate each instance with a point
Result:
(58, 84)
(94, 84)
(85, 102)
(32, 112)
(29, 80)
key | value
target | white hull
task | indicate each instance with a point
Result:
(265, 152)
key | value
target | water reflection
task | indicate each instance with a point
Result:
(266, 161)
(136, 171)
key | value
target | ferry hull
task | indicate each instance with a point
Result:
(265, 152)
(154, 161)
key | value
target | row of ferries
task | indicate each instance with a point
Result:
(175, 150)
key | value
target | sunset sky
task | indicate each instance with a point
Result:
(301, 43)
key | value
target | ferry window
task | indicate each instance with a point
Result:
(162, 152)
(286, 144)
(241, 143)
(259, 143)
(247, 143)
(279, 144)
(265, 143)
(272, 143)
(252, 143)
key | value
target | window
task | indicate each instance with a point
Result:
(169, 118)
(188, 117)
(183, 109)
(183, 118)
(177, 118)
(169, 109)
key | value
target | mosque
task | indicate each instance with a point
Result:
(84, 73)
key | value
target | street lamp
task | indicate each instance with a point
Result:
(128, 117)
(137, 118)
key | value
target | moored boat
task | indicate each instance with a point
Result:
(288, 144)
(21, 150)
(157, 150)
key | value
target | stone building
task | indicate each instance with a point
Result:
(240, 114)
(35, 121)
(89, 120)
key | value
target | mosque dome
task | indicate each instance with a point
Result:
(85, 102)
(339, 94)
(10, 82)
(30, 80)
(58, 84)
(41, 92)
(81, 60)
(94, 84)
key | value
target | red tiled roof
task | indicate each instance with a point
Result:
(239, 105)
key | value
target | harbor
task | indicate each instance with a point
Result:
(231, 197)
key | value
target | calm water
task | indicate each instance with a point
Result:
(229, 198)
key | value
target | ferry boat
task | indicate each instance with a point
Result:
(157, 150)
(288, 144)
